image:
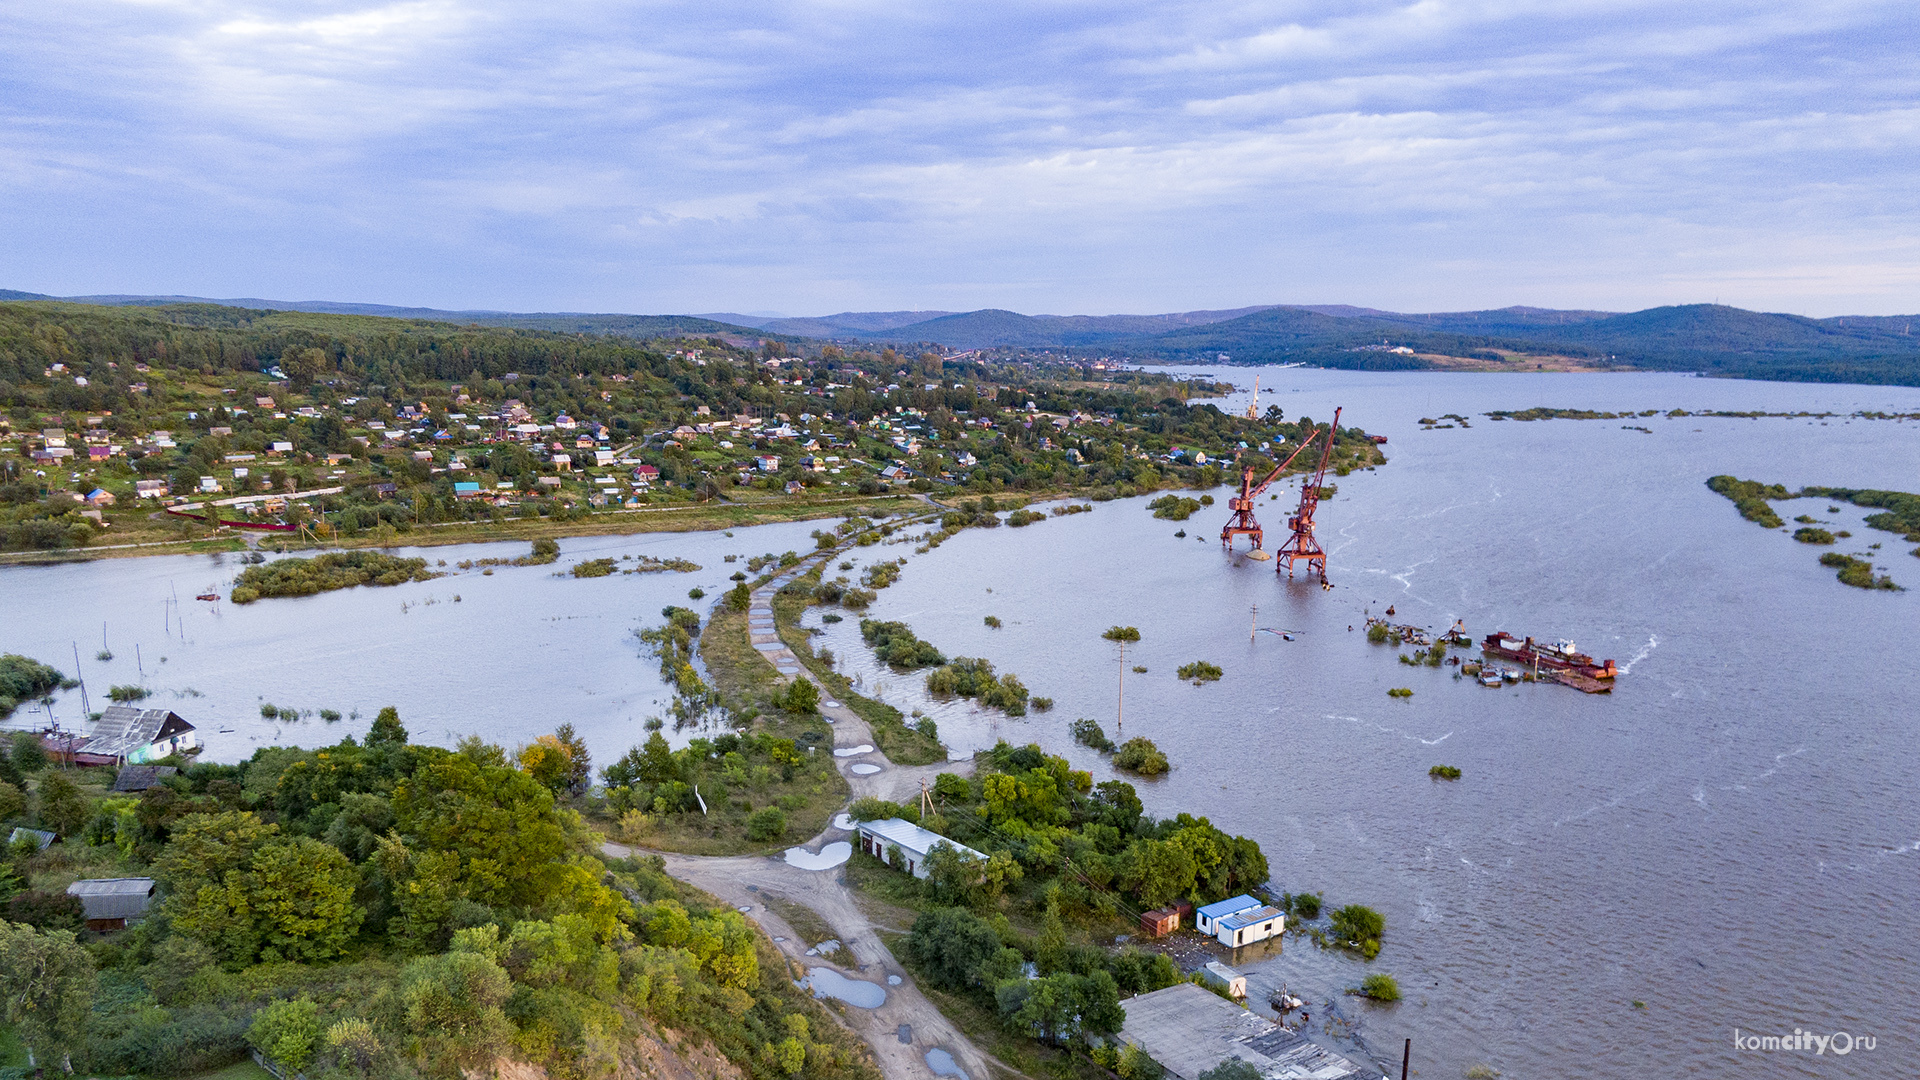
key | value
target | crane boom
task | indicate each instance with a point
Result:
(1302, 545)
(1243, 522)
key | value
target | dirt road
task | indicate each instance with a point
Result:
(744, 881)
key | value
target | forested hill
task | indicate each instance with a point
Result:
(566, 322)
(1710, 338)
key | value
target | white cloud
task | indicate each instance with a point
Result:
(1072, 156)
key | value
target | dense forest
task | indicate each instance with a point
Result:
(378, 909)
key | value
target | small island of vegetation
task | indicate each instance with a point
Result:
(325, 573)
(1444, 772)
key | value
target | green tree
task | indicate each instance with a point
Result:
(13, 802)
(46, 985)
(287, 1032)
(454, 1007)
(248, 892)
(801, 697)
(657, 765)
(62, 807)
(498, 820)
(386, 729)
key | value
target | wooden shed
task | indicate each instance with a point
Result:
(110, 903)
(1159, 922)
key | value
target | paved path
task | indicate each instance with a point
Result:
(743, 881)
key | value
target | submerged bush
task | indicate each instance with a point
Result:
(1174, 507)
(894, 642)
(1444, 772)
(1200, 671)
(1089, 733)
(969, 677)
(1811, 535)
(1380, 987)
(1139, 755)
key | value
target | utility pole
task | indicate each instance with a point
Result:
(86, 706)
(926, 800)
(1406, 1059)
(1120, 706)
(1254, 626)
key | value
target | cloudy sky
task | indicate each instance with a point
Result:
(1068, 157)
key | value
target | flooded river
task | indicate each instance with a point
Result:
(1731, 839)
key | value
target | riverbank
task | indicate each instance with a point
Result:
(627, 522)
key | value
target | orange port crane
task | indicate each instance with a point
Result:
(1243, 522)
(1302, 545)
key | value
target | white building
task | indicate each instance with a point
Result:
(880, 838)
(1224, 977)
(1239, 920)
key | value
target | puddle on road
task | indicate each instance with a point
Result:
(843, 821)
(830, 856)
(942, 1064)
(863, 769)
(893, 980)
(826, 982)
(824, 947)
(854, 751)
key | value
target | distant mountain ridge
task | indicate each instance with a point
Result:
(1694, 337)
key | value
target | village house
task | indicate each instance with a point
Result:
(898, 838)
(126, 735)
(1239, 920)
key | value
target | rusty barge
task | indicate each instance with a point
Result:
(1564, 663)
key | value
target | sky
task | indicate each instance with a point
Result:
(1063, 158)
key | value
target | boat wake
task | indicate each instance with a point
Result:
(1653, 642)
(1385, 730)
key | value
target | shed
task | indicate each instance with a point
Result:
(124, 734)
(1159, 922)
(110, 903)
(141, 777)
(41, 837)
(1224, 977)
(877, 838)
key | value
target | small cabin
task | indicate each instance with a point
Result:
(1239, 920)
(110, 903)
(1224, 977)
(881, 839)
(1159, 922)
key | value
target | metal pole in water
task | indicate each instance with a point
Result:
(1406, 1059)
(85, 705)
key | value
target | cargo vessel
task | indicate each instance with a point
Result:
(1559, 656)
